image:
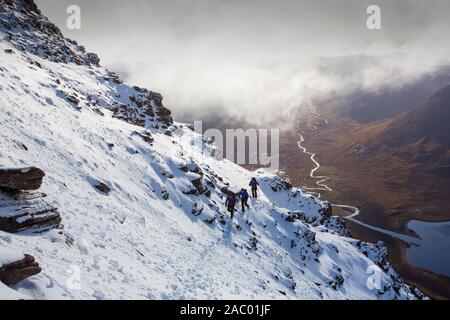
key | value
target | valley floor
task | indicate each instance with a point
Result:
(355, 185)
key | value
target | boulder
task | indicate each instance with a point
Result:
(15, 272)
(27, 178)
(93, 58)
(21, 211)
(197, 209)
(145, 135)
(327, 209)
(199, 188)
(102, 187)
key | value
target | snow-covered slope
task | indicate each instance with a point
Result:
(162, 232)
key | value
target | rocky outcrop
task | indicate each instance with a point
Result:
(145, 108)
(21, 178)
(378, 254)
(15, 272)
(308, 246)
(20, 211)
(338, 279)
(332, 223)
(145, 135)
(278, 184)
(327, 209)
(27, 5)
(28, 30)
(197, 178)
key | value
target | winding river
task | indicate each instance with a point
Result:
(429, 250)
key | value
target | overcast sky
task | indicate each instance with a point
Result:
(258, 56)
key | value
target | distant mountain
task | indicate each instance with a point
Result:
(387, 102)
(421, 135)
(429, 120)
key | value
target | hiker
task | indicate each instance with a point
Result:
(230, 203)
(254, 184)
(243, 195)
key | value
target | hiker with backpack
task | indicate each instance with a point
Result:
(230, 203)
(243, 195)
(254, 184)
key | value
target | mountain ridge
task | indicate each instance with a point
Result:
(419, 136)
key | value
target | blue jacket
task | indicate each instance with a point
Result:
(254, 184)
(244, 195)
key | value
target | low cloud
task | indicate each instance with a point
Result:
(259, 59)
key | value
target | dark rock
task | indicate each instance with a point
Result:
(30, 5)
(278, 184)
(102, 187)
(73, 100)
(47, 40)
(21, 178)
(294, 216)
(338, 282)
(200, 188)
(192, 167)
(145, 107)
(145, 135)
(165, 195)
(184, 169)
(191, 192)
(21, 211)
(226, 191)
(164, 114)
(210, 221)
(326, 210)
(198, 184)
(93, 58)
(197, 210)
(15, 272)
(210, 183)
(253, 244)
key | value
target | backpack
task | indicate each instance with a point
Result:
(231, 201)
(244, 195)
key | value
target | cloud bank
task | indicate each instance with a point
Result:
(259, 59)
